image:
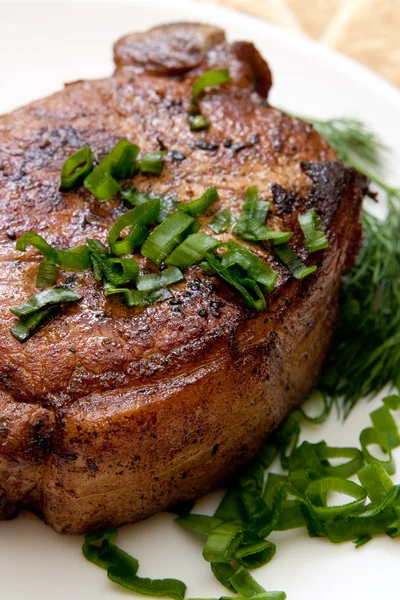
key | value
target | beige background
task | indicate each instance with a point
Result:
(367, 30)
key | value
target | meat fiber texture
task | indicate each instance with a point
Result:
(109, 413)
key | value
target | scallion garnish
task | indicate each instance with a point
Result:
(248, 288)
(47, 274)
(222, 221)
(156, 281)
(296, 266)
(44, 300)
(208, 79)
(168, 203)
(116, 270)
(152, 163)
(251, 223)
(75, 259)
(164, 238)
(76, 168)
(120, 163)
(39, 310)
(138, 219)
(144, 297)
(192, 250)
(315, 238)
(252, 265)
(198, 207)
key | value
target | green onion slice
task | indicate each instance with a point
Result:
(47, 274)
(222, 221)
(75, 259)
(23, 330)
(199, 524)
(45, 299)
(296, 267)
(375, 480)
(199, 122)
(316, 494)
(116, 270)
(164, 238)
(152, 163)
(138, 219)
(248, 288)
(144, 298)
(254, 266)
(383, 420)
(222, 543)
(347, 469)
(198, 207)
(192, 250)
(244, 584)
(123, 575)
(76, 168)
(156, 281)
(315, 238)
(209, 79)
(223, 572)
(168, 203)
(373, 436)
(255, 554)
(120, 163)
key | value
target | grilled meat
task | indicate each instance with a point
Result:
(109, 414)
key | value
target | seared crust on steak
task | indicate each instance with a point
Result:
(109, 414)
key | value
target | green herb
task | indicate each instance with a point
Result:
(197, 121)
(76, 168)
(47, 274)
(144, 297)
(192, 250)
(138, 219)
(164, 238)
(120, 163)
(152, 163)
(296, 267)
(168, 203)
(315, 238)
(39, 310)
(222, 221)
(75, 259)
(157, 281)
(252, 265)
(198, 207)
(116, 270)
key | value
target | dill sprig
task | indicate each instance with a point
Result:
(365, 354)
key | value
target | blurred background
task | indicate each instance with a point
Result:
(366, 30)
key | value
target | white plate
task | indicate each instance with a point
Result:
(41, 47)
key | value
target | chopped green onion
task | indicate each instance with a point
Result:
(244, 285)
(199, 122)
(222, 543)
(251, 224)
(45, 299)
(168, 204)
(199, 524)
(383, 420)
(209, 79)
(47, 274)
(345, 470)
(138, 219)
(255, 554)
(107, 554)
(157, 281)
(152, 163)
(375, 480)
(315, 238)
(163, 239)
(222, 221)
(110, 289)
(373, 436)
(144, 298)
(120, 163)
(223, 572)
(296, 267)
(124, 576)
(75, 259)
(192, 250)
(317, 491)
(23, 330)
(116, 270)
(198, 207)
(76, 168)
(244, 584)
(254, 266)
